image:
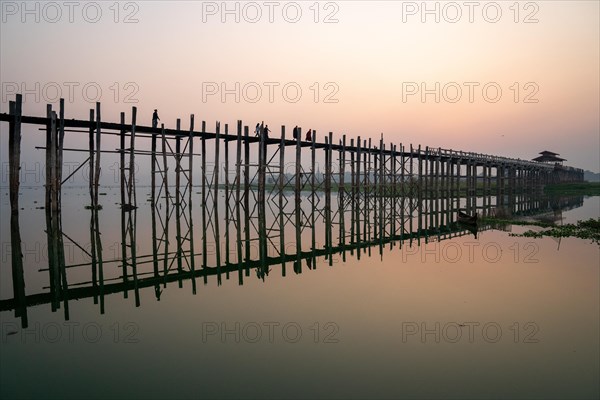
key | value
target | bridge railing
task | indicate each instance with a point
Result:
(480, 157)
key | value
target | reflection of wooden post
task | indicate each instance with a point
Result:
(18, 276)
(96, 253)
(153, 210)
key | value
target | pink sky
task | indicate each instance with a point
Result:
(370, 61)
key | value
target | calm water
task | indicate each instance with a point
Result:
(436, 316)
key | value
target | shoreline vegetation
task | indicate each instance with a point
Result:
(574, 188)
(586, 229)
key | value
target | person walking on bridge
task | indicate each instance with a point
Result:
(155, 119)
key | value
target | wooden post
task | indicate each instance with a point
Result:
(178, 167)
(91, 161)
(312, 171)
(122, 160)
(14, 146)
(131, 193)
(281, 166)
(238, 163)
(298, 170)
(51, 169)
(49, 161)
(59, 155)
(262, 150)
(98, 154)
(226, 144)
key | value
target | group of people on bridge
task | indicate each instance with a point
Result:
(261, 129)
(296, 134)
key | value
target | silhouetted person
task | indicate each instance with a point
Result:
(155, 119)
(295, 133)
(309, 135)
(257, 130)
(266, 131)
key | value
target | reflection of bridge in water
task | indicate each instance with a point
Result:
(370, 197)
(248, 242)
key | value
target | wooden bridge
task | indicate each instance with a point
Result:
(370, 196)
(381, 168)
